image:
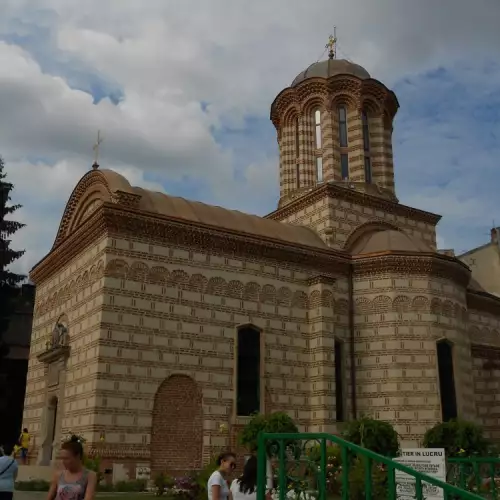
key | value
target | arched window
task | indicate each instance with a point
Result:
(339, 381)
(446, 380)
(317, 124)
(342, 126)
(248, 371)
(319, 168)
(366, 132)
(344, 166)
(366, 147)
(318, 145)
(297, 152)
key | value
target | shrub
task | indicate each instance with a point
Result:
(163, 482)
(135, 486)
(333, 466)
(376, 435)
(94, 464)
(459, 439)
(357, 483)
(279, 422)
(36, 485)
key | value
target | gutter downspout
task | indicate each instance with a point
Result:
(351, 342)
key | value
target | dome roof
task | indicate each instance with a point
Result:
(331, 67)
(386, 241)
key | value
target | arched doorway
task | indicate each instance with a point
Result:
(50, 435)
(177, 431)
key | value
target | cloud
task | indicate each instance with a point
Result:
(181, 91)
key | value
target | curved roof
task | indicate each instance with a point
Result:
(387, 240)
(218, 217)
(474, 285)
(331, 67)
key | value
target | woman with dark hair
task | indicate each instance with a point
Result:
(74, 482)
(245, 487)
(8, 473)
(217, 486)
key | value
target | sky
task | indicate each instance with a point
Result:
(181, 91)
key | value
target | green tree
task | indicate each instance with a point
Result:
(278, 422)
(8, 279)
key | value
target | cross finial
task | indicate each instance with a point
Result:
(332, 44)
(95, 166)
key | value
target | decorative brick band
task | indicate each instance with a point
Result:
(410, 264)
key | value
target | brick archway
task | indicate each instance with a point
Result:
(177, 432)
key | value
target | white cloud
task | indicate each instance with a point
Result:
(186, 69)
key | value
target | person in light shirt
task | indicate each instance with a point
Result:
(8, 473)
(217, 486)
(245, 487)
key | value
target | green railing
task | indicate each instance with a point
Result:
(476, 474)
(321, 466)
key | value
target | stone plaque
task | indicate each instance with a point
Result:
(53, 374)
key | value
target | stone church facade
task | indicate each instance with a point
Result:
(161, 324)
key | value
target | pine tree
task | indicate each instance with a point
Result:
(8, 279)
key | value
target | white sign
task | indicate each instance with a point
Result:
(142, 471)
(430, 461)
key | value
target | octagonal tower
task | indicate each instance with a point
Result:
(334, 125)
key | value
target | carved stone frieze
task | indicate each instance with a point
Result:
(129, 200)
(221, 242)
(408, 264)
(61, 293)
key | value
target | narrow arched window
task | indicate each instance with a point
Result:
(344, 166)
(342, 126)
(339, 381)
(318, 145)
(366, 147)
(248, 371)
(297, 153)
(319, 168)
(366, 131)
(317, 131)
(446, 380)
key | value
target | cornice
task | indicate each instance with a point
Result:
(90, 231)
(183, 233)
(407, 263)
(352, 196)
(483, 301)
(117, 219)
(54, 353)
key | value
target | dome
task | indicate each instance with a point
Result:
(388, 240)
(331, 67)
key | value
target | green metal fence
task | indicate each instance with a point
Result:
(476, 474)
(321, 466)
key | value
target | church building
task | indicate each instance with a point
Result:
(162, 324)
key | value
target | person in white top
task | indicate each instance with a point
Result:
(245, 487)
(217, 486)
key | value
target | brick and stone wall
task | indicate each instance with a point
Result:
(72, 296)
(335, 220)
(484, 334)
(398, 320)
(169, 312)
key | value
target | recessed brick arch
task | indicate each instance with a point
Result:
(177, 432)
